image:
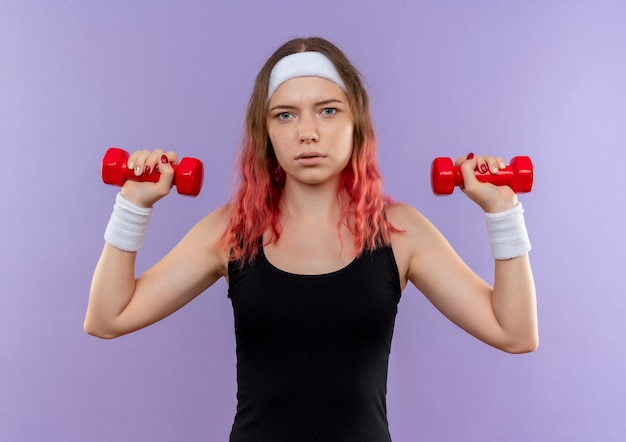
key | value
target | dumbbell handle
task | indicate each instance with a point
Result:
(188, 174)
(518, 175)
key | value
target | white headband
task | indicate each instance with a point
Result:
(303, 64)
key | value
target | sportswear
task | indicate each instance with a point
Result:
(313, 350)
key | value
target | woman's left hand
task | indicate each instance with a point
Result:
(490, 198)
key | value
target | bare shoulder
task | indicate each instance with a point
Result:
(202, 240)
(413, 237)
(406, 218)
(216, 221)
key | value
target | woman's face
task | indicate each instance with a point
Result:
(310, 125)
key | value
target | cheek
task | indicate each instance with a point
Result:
(276, 138)
(348, 138)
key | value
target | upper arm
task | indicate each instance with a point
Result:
(192, 266)
(427, 259)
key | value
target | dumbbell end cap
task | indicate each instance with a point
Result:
(525, 174)
(189, 177)
(113, 164)
(442, 178)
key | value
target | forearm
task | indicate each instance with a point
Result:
(513, 298)
(112, 287)
(113, 281)
(514, 303)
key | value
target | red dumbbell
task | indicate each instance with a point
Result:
(519, 176)
(188, 175)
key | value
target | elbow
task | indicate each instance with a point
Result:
(522, 349)
(519, 347)
(98, 331)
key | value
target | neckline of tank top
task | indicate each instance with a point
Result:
(312, 275)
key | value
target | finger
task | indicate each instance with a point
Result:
(467, 169)
(172, 157)
(482, 165)
(166, 177)
(156, 159)
(461, 160)
(137, 161)
(152, 161)
(496, 164)
(501, 163)
(487, 163)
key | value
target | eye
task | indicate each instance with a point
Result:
(329, 111)
(283, 115)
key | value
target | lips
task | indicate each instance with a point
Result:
(310, 159)
(308, 155)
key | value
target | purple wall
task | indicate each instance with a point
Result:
(543, 78)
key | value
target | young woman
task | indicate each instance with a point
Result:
(316, 258)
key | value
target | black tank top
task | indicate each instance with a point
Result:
(313, 350)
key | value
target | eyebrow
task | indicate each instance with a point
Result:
(319, 103)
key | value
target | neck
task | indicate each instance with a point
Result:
(311, 202)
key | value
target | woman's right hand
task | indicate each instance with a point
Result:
(145, 162)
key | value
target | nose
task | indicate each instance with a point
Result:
(308, 129)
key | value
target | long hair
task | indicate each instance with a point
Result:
(255, 205)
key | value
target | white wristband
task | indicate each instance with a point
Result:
(127, 226)
(507, 233)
